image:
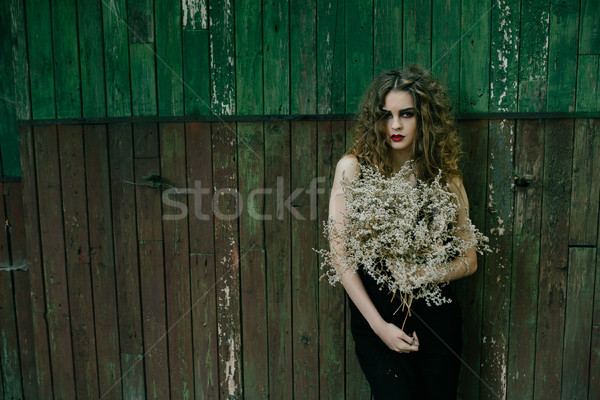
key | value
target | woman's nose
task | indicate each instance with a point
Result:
(396, 124)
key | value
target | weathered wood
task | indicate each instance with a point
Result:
(53, 251)
(585, 196)
(77, 251)
(248, 58)
(387, 35)
(91, 58)
(222, 68)
(578, 322)
(474, 56)
(331, 72)
(589, 31)
(120, 152)
(169, 63)
(202, 260)
(562, 54)
(588, 68)
(251, 182)
(474, 136)
(177, 268)
(558, 150)
(8, 113)
(529, 159)
(101, 260)
(331, 140)
(140, 21)
(145, 140)
(445, 47)
(143, 79)
(594, 368)
(533, 55)
(359, 51)
(116, 59)
(20, 62)
(278, 259)
(276, 36)
(416, 33)
(66, 59)
(226, 206)
(303, 57)
(32, 234)
(196, 73)
(195, 14)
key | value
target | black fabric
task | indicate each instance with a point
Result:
(430, 373)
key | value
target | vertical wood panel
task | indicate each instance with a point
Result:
(177, 266)
(594, 368)
(101, 260)
(169, 64)
(529, 159)
(77, 251)
(226, 207)
(417, 33)
(248, 57)
(140, 21)
(20, 62)
(222, 68)
(558, 151)
(143, 79)
(387, 35)
(587, 82)
(359, 50)
(278, 258)
(276, 36)
(445, 47)
(252, 260)
(303, 54)
(589, 31)
(331, 70)
(196, 73)
(202, 260)
(578, 322)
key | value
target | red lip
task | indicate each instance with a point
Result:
(397, 138)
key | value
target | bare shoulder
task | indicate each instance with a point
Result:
(347, 166)
(455, 184)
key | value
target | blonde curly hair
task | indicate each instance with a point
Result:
(435, 147)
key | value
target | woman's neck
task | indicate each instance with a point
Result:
(399, 158)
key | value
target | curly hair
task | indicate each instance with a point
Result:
(435, 147)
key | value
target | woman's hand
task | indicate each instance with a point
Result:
(396, 339)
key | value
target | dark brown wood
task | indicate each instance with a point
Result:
(53, 252)
(101, 260)
(202, 260)
(226, 208)
(120, 150)
(77, 251)
(558, 150)
(145, 140)
(177, 264)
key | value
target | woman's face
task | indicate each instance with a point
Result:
(401, 121)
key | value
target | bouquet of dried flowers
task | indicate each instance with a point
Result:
(402, 231)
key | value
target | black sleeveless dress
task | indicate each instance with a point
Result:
(430, 373)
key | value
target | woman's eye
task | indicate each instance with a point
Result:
(387, 115)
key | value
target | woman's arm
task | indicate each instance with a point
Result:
(391, 335)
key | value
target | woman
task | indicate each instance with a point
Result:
(405, 116)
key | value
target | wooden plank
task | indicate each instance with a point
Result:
(578, 322)
(196, 72)
(13, 200)
(120, 152)
(331, 299)
(143, 79)
(222, 68)
(585, 197)
(140, 21)
(533, 55)
(248, 58)
(278, 259)
(305, 271)
(474, 56)
(387, 31)
(331, 70)
(359, 51)
(195, 14)
(43, 384)
(116, 59)
(169, 68)
(587, 82)
(91, 58)
(202, 260)
(77, 252)
(558, 150)
(152, 280)
(41, 66)
(474, 136)
(53, 250)
(417, 33)
(20, 60)
(101, 260)
(594, 368)
(177, 266)
(276, 65)
(10, 368)
(251, 182)
(445, 47)
(504, 49)
(67, 82)
(589, 32)
(145, 140)
(562, 53)
(529, 159)
(303, 57)
(226, 206)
